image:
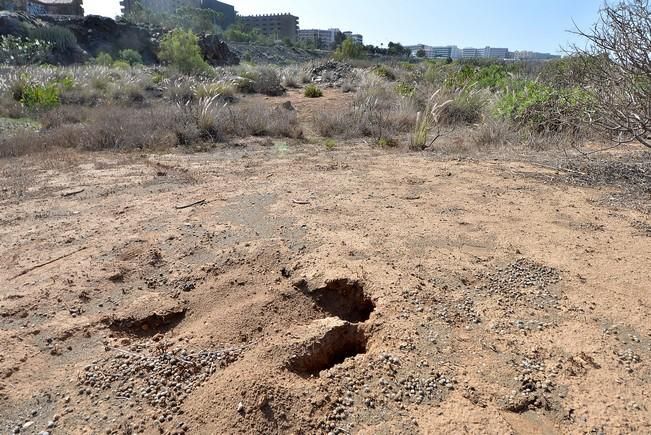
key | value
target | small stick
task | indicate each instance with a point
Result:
(38, 266)
(412, 198)
(76, 192)
(299, 202)
(181, 207)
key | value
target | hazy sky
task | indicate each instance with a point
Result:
(539, 25)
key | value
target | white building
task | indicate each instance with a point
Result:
(450, 51)
(486, 52)
(322, 38)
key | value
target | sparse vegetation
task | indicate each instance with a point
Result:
(433, 246)
(313, 91)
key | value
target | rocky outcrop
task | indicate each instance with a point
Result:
(216, 52)
(97, 34)
(16, 24)
(278, 54)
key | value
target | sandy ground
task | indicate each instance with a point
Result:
(312, 291)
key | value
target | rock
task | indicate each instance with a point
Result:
(216, 52)
(97, 34)
(287, 105)
(240, 408)
(16, 24)
(275, 54)
(28, 425)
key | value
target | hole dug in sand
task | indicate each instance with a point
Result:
(336, 345)
(344, 298)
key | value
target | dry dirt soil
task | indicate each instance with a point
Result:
(291, 289)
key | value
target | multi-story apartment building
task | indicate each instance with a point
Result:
(496, 53)
(486, 52)
(50, 7)
(321, 38)
(356, 37)
(227, 11)
(447, 52)
(169, 6)
(470, 53)
(276, 26)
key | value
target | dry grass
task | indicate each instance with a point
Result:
(494, 133)
(244, 121)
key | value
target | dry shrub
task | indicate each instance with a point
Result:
(130, 94)
(374, 114)
(336, 124)
(466, 108)
(495, 133)
(108, 127)
(63, 115)
(10, 108)
(83, 96)
(294, 76)
(180, 91)
(243, 121)
(113, 127)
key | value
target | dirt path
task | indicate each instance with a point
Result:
(353, 291)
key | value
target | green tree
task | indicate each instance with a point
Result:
(349, 50)
(104, 59)
(396, 49)
(238, 32)
(180, 49)
(421, 53)
(132, 57)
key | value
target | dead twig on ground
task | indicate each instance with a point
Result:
(76, 192)
(300, 202)
(38, 266)
(201, 202)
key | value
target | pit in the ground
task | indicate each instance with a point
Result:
(344, 298)
(149, 325)
(336, 346)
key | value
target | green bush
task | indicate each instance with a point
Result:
(385, 72)
(239, 33)
(132, 57)
(104, 59)
(36, 96)
(23, 51)
(313, 91)
(349, 50)
(489, 77)
(62, 39)
(405, 89)
(121, 64)
(181, 50)
(543, 108)
(65, 82)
